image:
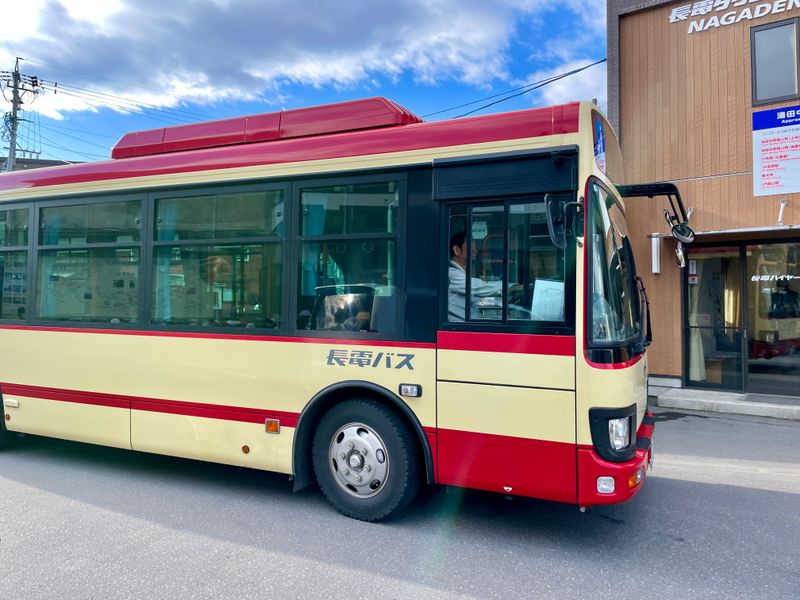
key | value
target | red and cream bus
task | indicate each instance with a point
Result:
(345, 294)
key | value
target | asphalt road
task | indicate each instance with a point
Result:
(719, 517)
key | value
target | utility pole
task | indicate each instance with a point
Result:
(15, 102)
(20, 84)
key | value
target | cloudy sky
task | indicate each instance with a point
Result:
(125, 65)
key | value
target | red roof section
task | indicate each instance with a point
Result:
(368, 113)
(535, 122)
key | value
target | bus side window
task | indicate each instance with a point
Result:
(534, 268)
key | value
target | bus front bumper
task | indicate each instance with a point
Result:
(595, 474)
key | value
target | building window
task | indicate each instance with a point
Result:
(774, 57)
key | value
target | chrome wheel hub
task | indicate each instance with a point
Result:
(358, 460)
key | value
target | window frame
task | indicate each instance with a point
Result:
(297, 240)
(36, 248)
(290, 242)
(152, 244)
(30, 273)
(565, 328)
(753, 85)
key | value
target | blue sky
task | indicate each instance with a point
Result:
(126, 65)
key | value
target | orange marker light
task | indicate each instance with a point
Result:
(273, 426)
(246, 449)
(635, 479)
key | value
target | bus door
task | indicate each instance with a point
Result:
(506, 351)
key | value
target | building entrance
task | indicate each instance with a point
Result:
(742, 325)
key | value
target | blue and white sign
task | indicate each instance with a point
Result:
(776, 151)
(599, 144)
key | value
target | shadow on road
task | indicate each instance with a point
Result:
(670, 522)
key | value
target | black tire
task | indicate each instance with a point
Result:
(377, 427)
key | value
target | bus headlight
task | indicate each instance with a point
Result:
(619, 433)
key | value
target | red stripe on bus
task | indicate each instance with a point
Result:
(529, 123)
(551, 345)
(174, 407)
(226, 336)
(529, 467)
(619, 365)
(74, 396)
(215, 411)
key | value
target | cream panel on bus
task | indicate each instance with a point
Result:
(511, 411)
(508, 368)
(604, 387)
(68, 420)
(251, 373)
(214, 440)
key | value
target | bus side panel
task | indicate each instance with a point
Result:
(201, 396)
(55, 390)
(69, 419)
(219, 438)
(508, 439)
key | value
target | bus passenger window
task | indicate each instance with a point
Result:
(348, 258)
(13, 263)
(202, 277)
(83, 283)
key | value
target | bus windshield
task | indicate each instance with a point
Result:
(614, 305)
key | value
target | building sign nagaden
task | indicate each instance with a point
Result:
(776, 151)
(709, 14)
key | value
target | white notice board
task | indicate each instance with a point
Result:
(776, 151)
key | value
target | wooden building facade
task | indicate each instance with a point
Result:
(692, 84)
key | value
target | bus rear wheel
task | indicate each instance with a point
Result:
(366, 460)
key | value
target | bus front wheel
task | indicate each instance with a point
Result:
(366, 460)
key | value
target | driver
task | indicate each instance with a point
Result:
(457, 288)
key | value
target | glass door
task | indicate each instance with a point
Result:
(773, 318)
(714, 323)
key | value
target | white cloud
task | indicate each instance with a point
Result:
(585, 85)
(209, 50)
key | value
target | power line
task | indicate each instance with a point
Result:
(535, 86)
(523, 88)
(83, 131)
(126, 107)
(53, 144)
(438, 112)
(129, 105)
(73, 137)
(100, 77)
(177, 112)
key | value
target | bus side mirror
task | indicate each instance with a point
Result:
(680, 230)
(556, 223)
(559, 214)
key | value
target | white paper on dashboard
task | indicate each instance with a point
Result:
(548, 300)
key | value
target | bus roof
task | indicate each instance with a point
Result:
(312, 136)
(369, 113)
